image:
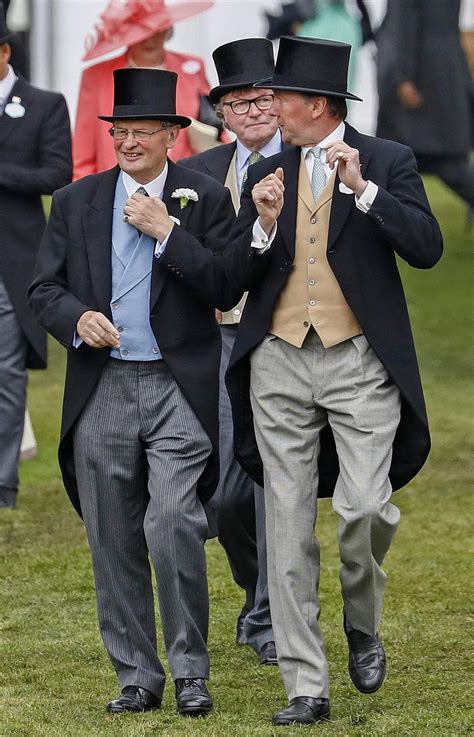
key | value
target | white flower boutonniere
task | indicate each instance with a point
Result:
(184, 195)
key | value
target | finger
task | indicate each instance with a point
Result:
(280, 174)
(105, 324)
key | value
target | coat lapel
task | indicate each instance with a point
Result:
(97, 224)
(287, 219)
(343, 203)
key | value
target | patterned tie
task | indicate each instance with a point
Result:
(318, 177)
(142, 190)
(252, 159)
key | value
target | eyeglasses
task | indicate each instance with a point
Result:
(120, 134)
(241, 107)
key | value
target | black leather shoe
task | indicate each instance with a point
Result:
(134, 698)
(303, 710)
(192, 697)
(268, 654)
(239, 631)
(367, 662)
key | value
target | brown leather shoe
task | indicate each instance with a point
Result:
(303, 710)
(134, 698)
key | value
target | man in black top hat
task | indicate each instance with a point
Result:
(237, 508)
(139, 436)
(35, 159)
(323, 378)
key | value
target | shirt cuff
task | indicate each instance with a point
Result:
(260, 240)
(76, 340)
(366, 200)
(160, 248)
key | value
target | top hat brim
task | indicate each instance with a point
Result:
(289, 86)
(177, 119)
(132, 32)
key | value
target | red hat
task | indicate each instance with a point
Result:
(127, 22)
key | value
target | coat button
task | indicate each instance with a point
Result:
(120, 328)
(311, 282)
(312, 260)
(313, 220)
(312, 302)
(312, 239)
(306, 323)
(155, 350)
(125, 353)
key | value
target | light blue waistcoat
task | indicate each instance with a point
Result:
(132, 260)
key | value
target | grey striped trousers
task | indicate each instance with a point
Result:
(139, 451)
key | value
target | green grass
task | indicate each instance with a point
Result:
(55, 677)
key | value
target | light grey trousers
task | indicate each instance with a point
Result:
(139, 451)
(13, 380)
(295, 393)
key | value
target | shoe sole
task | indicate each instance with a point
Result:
(195, 712)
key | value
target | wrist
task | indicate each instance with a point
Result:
(360, 188)
(266, 224)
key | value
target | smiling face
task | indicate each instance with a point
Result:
(296, 118)
(144, 159)
(256, 127)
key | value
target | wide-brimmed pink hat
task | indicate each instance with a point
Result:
(127, 22)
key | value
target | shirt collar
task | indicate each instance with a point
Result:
(154, 188)
(7, 84)
(272, 147)
(336, 135)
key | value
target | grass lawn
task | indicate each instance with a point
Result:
(55, 677)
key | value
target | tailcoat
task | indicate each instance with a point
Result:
(35, 159)
(419, 41)
(74, 275)
(362, 252)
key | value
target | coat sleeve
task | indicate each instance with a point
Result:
(53, 305)
(403, 216)
(53, 168)
(215, 276)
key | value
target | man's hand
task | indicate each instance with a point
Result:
(267, 196)
(97, 331)
(149, 215)
(409, 95)
(348, 167)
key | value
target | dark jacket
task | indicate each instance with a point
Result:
(35, 159)
(215, 162)
(362, 250)
(419, 41)
(74, 275)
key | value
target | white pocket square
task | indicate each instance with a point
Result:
(344, 189)
(175, 220)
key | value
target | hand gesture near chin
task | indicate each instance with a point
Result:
(267, 196)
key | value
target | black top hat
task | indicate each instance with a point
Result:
(5, 34)
(141, 94)
(242, 63)
(311, 65)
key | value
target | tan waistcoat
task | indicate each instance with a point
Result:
(312, 295)
(233, 316)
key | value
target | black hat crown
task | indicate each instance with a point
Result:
(141, 94)
(241, 63)
(5, 34)
(311, 65)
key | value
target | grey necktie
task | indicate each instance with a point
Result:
(252, 159)
(318, 177)
(142, 190)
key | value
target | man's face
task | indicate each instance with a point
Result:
(4, 59)
(256, 127)
(295, 118)
(143, 157)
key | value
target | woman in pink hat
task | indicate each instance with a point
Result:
(143, 27)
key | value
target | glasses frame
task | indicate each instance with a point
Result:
(254, 100)
(138, 135)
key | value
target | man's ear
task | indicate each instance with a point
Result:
(172, 136)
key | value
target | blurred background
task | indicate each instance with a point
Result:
(53, 33)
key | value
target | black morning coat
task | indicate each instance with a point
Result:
(73, 275)
(362, 250)
(35, 159)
